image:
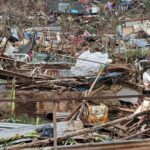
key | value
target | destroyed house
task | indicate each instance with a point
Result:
(57, 5)
(65, 6)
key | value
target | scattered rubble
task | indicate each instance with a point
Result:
(87, 60)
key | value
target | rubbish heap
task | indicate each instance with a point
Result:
(82, 70)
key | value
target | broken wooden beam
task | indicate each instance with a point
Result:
(80, 132)
(92, 98)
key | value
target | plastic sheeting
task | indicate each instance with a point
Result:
(10, 50)
(140, 42)
(146, 78)
(83, 67)
(128, 91)
(14, 32)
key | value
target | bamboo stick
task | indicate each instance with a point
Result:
(92, 86)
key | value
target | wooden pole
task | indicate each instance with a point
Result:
(73, 112)
(13, 92)
(98, 75)
(54, 125)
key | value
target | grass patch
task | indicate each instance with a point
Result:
(25, 119)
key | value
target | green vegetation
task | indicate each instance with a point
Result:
(70, 142)
(133, 54)
(25, 119)
(147, 3)
(102, 138)
(9, 141)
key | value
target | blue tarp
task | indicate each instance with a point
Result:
(74, 11)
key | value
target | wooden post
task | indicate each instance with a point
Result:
(13, 97)
(13, 92)
(98, 75)
(54, 125)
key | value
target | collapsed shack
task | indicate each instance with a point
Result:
(80, 76)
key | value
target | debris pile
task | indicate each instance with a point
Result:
(89, 59)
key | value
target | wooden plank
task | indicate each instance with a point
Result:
(95, 99)
(11, 74)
